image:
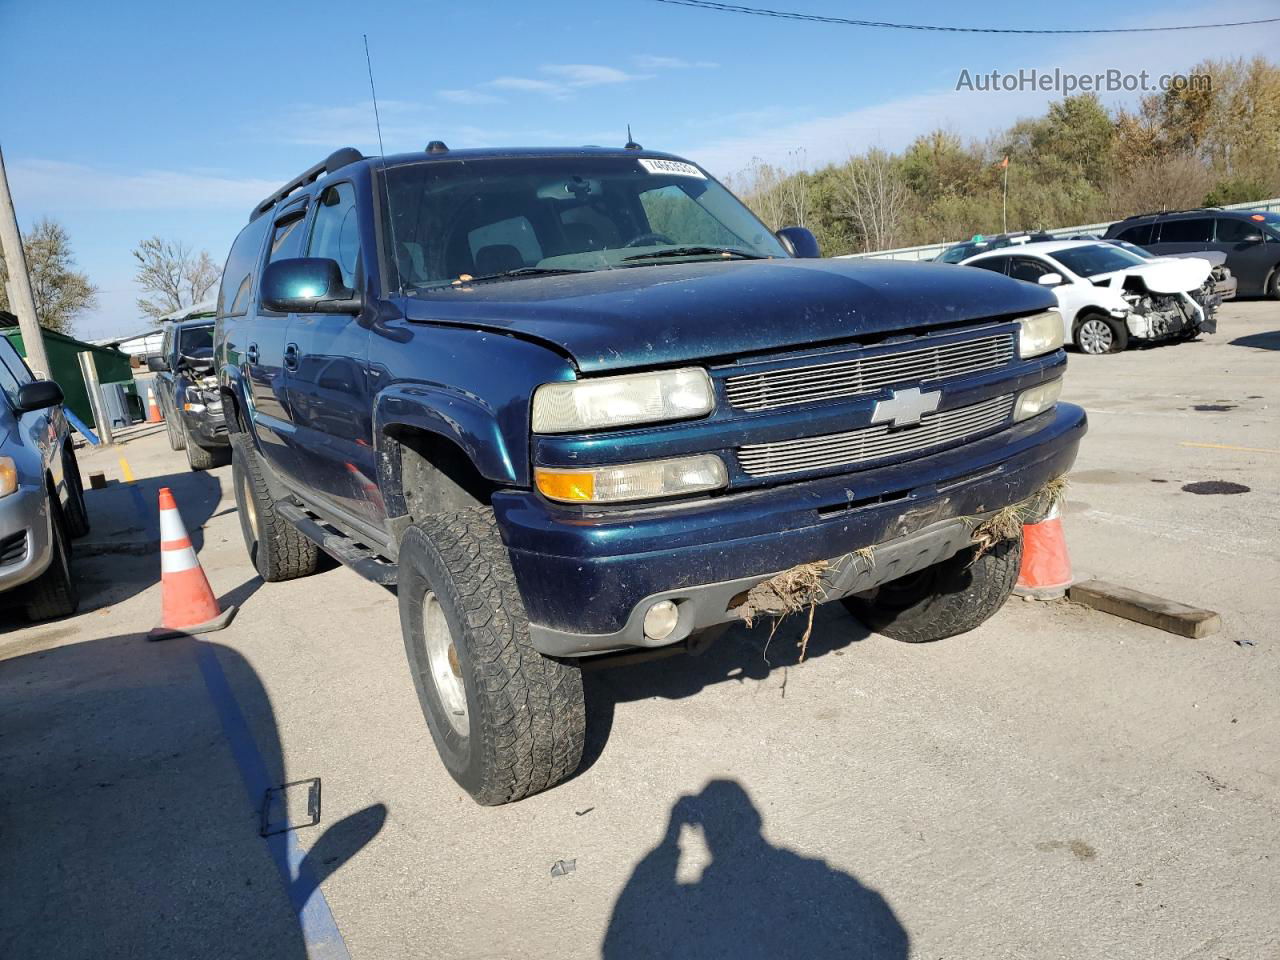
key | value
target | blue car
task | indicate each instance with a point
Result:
(581, 402)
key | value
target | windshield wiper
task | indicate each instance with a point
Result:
(521, 272)
(695, 251)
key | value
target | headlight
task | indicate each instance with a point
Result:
(619, 401)
(632, 481)
(1037, 400)
(8, 476)
(1040, 334)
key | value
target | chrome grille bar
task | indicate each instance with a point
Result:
(849, 378)
(875, 442)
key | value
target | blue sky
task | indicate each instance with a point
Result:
(140, 118)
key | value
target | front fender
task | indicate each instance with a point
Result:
(462, 418)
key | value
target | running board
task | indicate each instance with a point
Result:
(339, 546)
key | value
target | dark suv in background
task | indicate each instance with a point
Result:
(1250, 239)
(576, 402)
(187, 391)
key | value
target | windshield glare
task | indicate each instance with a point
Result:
(1096, 258)
(478, 218)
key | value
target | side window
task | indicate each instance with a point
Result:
(238, 274)
(1236, 231)
(286, 239)
(1141, 234)
(994, 264)
(676, 215)
(13, 371)
(1025, 268)
(334, 234)
(1195, 230)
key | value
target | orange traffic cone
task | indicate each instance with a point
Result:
(153, 408)
(189, 604)
(1046, 569)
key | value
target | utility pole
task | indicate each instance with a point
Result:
(1004, 205)
(24, 305)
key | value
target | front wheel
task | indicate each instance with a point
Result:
(1096, 334)
(948, 598)
(177, 436)
(506, 721)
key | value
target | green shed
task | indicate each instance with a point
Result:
(112, 366)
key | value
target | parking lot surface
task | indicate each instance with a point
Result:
(1056, 784)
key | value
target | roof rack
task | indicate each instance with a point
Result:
(334, 161)
(1161, 213)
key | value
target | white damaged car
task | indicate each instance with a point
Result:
(1108, 294)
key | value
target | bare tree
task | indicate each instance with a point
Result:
(60, 291)
(871, 193)
(174, 275)
(1173, 183)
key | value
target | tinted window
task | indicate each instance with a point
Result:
(1024, 268)
(1096, 258)
(13, 371)
(286, 239)
(237, 275)
(1141, 234)
(1197, 230)
(334, 233)
(994, 264)
(1236, 231)
(191, 340)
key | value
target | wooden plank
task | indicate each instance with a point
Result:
(1167, 615)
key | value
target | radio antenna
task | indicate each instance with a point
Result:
(386, 193)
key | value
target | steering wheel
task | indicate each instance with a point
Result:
(649, 240)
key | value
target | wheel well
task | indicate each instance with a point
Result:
(231, 411)
(422, 473)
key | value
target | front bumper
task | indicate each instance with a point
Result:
(26, 537)
(587, 579)
(207, 427)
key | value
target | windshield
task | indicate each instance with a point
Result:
(1134, 249)
(517, 216)
(1096, 258)
(193, 340)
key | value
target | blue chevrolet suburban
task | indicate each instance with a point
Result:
(577, 402)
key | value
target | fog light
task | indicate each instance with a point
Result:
(660, 620)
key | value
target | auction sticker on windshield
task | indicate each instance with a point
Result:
(672, 167)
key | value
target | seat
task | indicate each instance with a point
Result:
(498, 258)
(580, 237)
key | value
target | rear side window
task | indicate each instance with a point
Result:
(1025, 268)
(238, 274)
(1237, 231)
(1196, 230)
(334, 233)
(1141, 234)
(994, 264)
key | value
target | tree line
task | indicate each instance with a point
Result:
(1077, 163)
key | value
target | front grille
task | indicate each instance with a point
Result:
(13, 548)
(849, 378)
(855, 447)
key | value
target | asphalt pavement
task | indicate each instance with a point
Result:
(1056, 784)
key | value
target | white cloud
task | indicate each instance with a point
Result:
(648, 61)
(587, 74)
(529, 85)
(53, 183)
(468, 97)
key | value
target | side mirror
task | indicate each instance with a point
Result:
(1050, 280)
(38, 395)
(307, 285)
(799, 242)
(157, 364)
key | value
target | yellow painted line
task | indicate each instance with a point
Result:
(124, 469)
(1226, 446)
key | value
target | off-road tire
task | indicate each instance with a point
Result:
(525, 718)
(53, 594)
(76, 514)
(276, 548)
(173, 427)
(948, 598)
(1119, 334)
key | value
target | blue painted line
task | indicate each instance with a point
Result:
(319, 930)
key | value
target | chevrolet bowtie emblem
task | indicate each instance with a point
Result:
(905, 407)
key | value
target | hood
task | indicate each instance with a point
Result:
(1215, 258)
(659, 315)
(1174, 275)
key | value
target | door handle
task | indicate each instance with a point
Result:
(291, 356)
(251, 354)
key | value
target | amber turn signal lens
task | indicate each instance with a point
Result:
(574, 486)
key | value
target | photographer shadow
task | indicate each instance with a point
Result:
(752, 900)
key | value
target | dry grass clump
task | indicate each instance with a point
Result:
(1007, 523)
(785, 593)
